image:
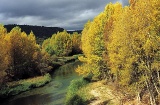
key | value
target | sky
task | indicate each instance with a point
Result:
(67, 14)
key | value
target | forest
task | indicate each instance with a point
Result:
(121, 48)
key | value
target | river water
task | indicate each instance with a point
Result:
(51, 94)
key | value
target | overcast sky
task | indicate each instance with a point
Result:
(68, 14)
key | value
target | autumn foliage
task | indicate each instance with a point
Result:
(20, 56)
(63, 44)
(93, 43)
(122, 44)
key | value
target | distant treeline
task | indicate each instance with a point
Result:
(39, 31)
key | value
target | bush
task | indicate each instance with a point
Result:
(72, 98)
(75, 100)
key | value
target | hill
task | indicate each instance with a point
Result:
(39, 31)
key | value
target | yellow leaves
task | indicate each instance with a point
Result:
(92, 36)
(148, 47)
(93, 45)
(4, 58)
(31, 37)
(59, 44)
(3, 30)
(45, 43)
(82, 58)
(125, 77)
(133, 41)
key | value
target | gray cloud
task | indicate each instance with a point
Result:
(68, 14)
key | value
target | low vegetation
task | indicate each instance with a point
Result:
(16, 87)
(73, 97)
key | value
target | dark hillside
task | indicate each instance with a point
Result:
(78, 31)
(39, 31)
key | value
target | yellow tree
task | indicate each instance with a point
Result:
(133, 47)
(22, 54)
(4, 58)
(61, 43)
(93, 45)
(117, 39)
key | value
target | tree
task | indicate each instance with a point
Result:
(76, 43)
(133, 47)
(47, 46)
(22, 52)
(4, 58)
(59, 44)
(93, 45)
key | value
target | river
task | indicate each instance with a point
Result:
(52, 93)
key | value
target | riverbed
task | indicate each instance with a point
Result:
(52, 93)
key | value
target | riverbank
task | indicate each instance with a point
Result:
(59, 61)
(100, 93)
(52, 93)
(17, 87)
(96, 93)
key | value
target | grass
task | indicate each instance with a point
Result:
(16, 87)
(84, 92)
(97, 92)
(73, 97)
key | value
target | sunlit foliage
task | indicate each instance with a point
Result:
(133, 47)
(20, 56)
(4, 58)
(125, 42)
(63, 44)
(93, 45)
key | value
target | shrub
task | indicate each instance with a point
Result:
(72, 98)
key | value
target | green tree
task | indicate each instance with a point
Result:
(59, 44)
(62, 44)
(47, 46)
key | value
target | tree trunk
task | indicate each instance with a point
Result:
(158, 77)
(152, 99)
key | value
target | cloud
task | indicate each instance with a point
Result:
(68, 14)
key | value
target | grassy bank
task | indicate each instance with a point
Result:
(81, 92)
(100, 93)
(77, 94)
(16, 87)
